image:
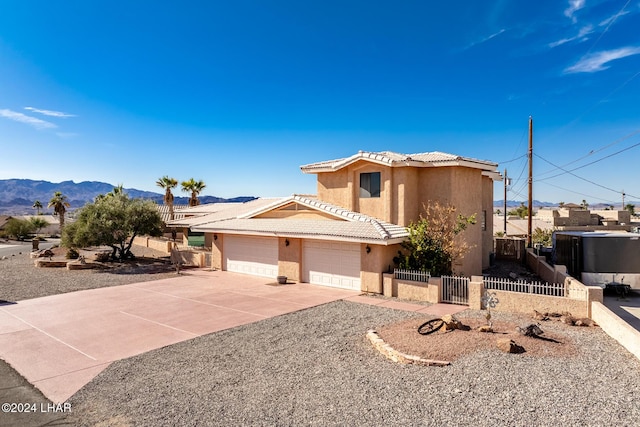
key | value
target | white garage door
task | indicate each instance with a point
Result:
(252, 255)
(332, 264)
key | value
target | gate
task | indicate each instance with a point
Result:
(455, 290)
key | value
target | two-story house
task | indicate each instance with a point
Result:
(348, 234)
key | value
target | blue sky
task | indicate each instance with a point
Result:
(241, 93)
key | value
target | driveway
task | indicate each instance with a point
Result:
(60, 343)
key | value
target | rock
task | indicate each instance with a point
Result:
(532, 330)
(509, 346)
(513, 275)
(451, 323)
(485, 328)
(540, 316)
(567, 319)
(585, 321)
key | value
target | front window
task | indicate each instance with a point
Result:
(370, 184)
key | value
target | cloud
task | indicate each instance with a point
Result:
(584, 31)
(611, 19)
(574, 6)
(486, 39)
(23, 118)
(49, 112)
(597, 61)
(67, 135)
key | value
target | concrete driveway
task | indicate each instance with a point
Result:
(61, 342)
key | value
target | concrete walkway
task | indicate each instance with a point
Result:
(60, 343)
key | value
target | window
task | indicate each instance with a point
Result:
(484, 220)
(370, 184)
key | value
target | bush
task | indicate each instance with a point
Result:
(72, 254)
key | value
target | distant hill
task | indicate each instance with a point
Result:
(17, 195)
(516, 203)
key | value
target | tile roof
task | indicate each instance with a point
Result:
(163, 210)
(349, 225)
(390, 158)
(212, 212)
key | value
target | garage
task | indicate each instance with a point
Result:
(257, 256)
(334, 264)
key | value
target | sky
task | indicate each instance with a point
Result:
(240, 93)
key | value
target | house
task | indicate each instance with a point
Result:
(572, 217)
(348, 234)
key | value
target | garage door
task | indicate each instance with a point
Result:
(252, 255)
(332, 264)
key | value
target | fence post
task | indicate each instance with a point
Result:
(476, 289)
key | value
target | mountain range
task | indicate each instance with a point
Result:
(18, 195)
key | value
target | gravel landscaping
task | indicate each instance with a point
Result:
(22, 280)
(315, 367)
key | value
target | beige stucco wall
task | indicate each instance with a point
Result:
(290, 258)
(372, 265)
(217, 254)
(404, 190)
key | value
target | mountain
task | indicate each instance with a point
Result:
(18, 195)
(516, 203)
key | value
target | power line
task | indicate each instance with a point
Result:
(588, 164)
(581, 194)
(584, 179)
(592, 152)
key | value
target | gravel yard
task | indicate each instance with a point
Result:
(315, 367)
(20, 279)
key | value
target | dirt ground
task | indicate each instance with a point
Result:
(451, 345)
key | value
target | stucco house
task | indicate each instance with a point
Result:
(348, 234)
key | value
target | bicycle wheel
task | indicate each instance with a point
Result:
(430, 326)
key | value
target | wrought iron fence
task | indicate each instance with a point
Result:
(455, 289)
(539, 288)
(414, 275)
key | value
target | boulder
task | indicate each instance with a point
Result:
(451, 323)
(585, 321)
(531, 330)
(567, 319)
(485, 328)
(509, 346)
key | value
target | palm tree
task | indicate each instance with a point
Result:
(195, 187)
(37, 205)
(59, 204)
(167, 184)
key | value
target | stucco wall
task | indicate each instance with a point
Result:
(217, 254)
(289, 258)
(487, 233)
(372, 265)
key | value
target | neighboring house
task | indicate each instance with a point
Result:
(574, 218)
(348, 234)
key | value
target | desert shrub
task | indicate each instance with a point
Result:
(72, 254)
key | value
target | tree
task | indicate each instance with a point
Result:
(584, 204)
(113, 220)
(59, 204)
(433, 244)
(38, 223)
(543, 237)
(37, 205)
(631, 208)
(19, 228)
(521, 211)
(195, 187)
(561, 205)
(167, 184)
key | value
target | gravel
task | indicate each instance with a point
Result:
(20, 279)
(315, 367)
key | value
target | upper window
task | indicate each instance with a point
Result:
(370, 184)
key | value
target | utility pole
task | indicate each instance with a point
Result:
(530, 210)
(506, 182)
(622, 200)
